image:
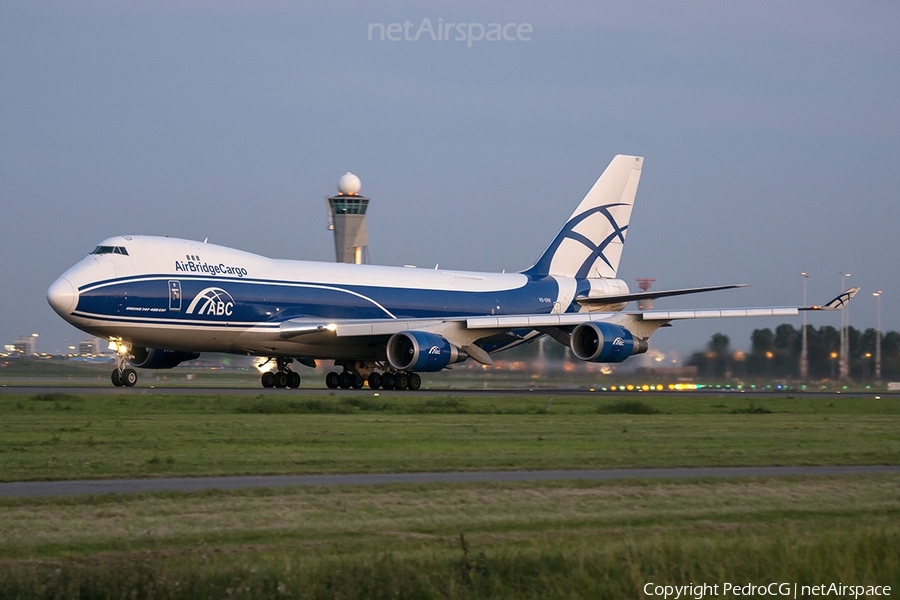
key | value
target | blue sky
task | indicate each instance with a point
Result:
(771, 133)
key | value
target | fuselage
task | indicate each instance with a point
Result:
(161, 292)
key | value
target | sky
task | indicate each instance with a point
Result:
(770, 131)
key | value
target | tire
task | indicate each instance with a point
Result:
(332, 380)
(374, 380)
(345, 379)
(129, 377)
(401, 381)
(415, 381)
(387, 381)
(116, 378)
(268, 379)
(356, 381)
(281, 379)
(294, 380)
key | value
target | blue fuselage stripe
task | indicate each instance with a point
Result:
(249, 302)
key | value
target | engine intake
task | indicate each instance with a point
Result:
(158, 358)
(421, 351)
(605, 343)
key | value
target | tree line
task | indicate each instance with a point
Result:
(777, 354)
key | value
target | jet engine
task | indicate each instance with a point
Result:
(605, 343)
(157, 358)
(421, 351)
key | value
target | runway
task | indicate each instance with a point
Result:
(34, 489)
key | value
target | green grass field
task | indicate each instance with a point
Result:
(523, 540)
(58, 436)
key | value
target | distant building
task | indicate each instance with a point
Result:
(347, 218)
(25, 345)
(91, 347)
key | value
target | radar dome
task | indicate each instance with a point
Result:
(349, 184)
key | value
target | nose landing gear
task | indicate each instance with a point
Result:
(123, 375)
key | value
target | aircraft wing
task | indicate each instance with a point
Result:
(466, 330)
(573, 319)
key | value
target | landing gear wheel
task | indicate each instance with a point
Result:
(294, 380)
(129, 377)
(345, 379)
(387, 381)
(268, 379)
(356, 382)
(374, 380)
(401, 381)
(333, 380)
(116, 378)
(281, 380)
(415, 381)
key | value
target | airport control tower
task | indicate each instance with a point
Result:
(347, 217)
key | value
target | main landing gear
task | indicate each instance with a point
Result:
(355, 375)
(283, 377)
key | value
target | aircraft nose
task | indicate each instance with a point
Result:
(62, 296)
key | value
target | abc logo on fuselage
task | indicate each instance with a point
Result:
(212, 301)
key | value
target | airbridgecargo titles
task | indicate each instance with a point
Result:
(381, 326)
(190, 266)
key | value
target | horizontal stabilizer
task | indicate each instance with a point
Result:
(586, 301)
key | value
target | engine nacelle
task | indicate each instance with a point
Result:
(605, 343)
(157, 358)
(421, 351)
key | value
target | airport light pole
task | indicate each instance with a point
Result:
(877, 335)
(844, 362)
(804, 354)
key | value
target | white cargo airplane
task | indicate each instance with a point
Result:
(161, 301)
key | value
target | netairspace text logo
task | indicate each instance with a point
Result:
(446, 32)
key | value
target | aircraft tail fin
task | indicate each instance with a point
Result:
(590, 243)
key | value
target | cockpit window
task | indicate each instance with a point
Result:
(110, 250)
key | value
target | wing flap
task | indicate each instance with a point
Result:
(671, 315)
(384, 326)
(534, 321)
(296, 328)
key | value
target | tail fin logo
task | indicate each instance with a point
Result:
(213, 301)
(590, 243)
(595, 251)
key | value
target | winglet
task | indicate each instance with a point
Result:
(839, 302)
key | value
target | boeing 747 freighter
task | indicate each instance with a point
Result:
(161, 301)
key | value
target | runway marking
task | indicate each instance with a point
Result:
(31, 489)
